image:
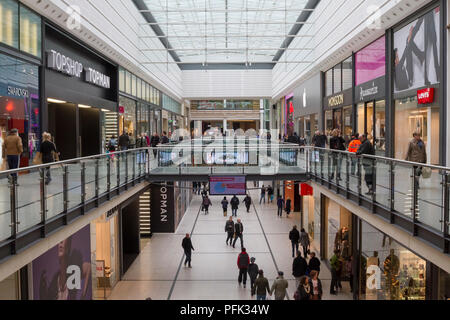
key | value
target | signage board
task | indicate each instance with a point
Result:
(336, 100)
(425, 96)
(162, 208)
(227, 185)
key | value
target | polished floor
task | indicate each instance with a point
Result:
(159, 272)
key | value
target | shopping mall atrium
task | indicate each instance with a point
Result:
(230, 150)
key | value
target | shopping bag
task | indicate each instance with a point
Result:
(37, 158)
(426, 173)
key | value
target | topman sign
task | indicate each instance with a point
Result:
(73, 68)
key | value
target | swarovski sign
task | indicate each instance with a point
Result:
(73, 68)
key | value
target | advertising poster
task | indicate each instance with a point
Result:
(64, 272)
(224, 186)
(417, 53)
(370, 62)
(162, 207)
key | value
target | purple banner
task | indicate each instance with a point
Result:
(64, 272)
(370, 62)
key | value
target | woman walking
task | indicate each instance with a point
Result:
(49, 154)
(304, 290)
(316, 286)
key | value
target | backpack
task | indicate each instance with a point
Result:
(205, 201)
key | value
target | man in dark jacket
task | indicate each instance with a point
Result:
(124, 141)
(225, 206)
(187, 246)
(253, 271)
(299, 267)
(270, 194)
(229, 229)
(314, 263)
(164, 138)
(263, 195)
(367, 148)
(294, 236)
(154, 141)
(238, 230)
(234, 205)
(280, 205)
(206, 203)
(336, 143)
(319, 140)
(243, 263)
(248, 202)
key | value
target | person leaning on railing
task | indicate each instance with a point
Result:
(367, 148)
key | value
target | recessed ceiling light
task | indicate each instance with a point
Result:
(56, 101)
(84, 106)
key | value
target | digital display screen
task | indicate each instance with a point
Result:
(240, 157)
(227, 186)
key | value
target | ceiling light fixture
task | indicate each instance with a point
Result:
(55, 100)
(84, 106)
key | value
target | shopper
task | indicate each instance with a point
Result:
(304, 290)
(206, 203)
(154, 141)
(288, 207)
(336, 267)
(124, 141)
(248, 202)
(349, 271)
(336, 143)
(314, 263)
(187, 246)
(48, 153)
(261, 287)
(319, 140)
(112, 145)
(234, 205)
(204, 191)
(252, 272)
(263, 195)
(229, 229)
(315, 285)
(238, 233)
(417, 153)
(141, 142)
(132, 144)
(367, 148)
(279, 286)
(280, 205)
(299, 267)
(294, 236)
(164, 138)
(11, 150)
(243, 263)
(304, 241)
(269, 194)
(353, 147)
(225, 206)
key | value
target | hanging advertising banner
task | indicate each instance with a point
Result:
(162, 207)
(64, 272)
(417, 53)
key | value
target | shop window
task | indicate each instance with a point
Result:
(128, 82)
(339, 229)
(317, 219)
(30, 32)
(410, 118)
(348, 126)
(121, 79)
(369, 121)
(380, 127)
(328, 122)
(389, 271)
(337, 122)
(139, 88)
(128, 118)
(133, 85)
(361, 119)
(337, 78)
(9, 288)
(347, 74)
(9, 23)
(329, 82)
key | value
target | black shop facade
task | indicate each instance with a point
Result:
(81, 96)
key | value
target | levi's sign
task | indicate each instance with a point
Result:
(425, 96)
(73, 68)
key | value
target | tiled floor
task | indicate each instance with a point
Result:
(159, 273)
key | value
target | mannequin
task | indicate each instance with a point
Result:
(391, 270)
(374, 260)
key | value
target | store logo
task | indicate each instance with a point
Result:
(73, 277)
(61, 63)
(425, 96)
(163, 203)
(373, 281)
(74, 19)
(18, 92)
(368, 92)
(304, 98)
(97, 78)
(335, 101)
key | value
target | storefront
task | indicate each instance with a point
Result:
(20, 58)
(307, 108)
(417, 90)
(289, 125)
(81, 124)
(307, 209)
(338, 101)
(370, 71)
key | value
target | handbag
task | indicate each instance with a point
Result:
(426, 172)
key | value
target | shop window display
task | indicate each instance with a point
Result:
(389, 271)
(127, 120)
(9, 31)
(317, 224)
(328, 123)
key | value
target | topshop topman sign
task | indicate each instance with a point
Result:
(71, 67)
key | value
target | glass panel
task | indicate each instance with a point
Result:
(55, 189)
(139, 88)
(382, 190)
(30, 32)
(367, 176)
(403, 189)
(329, 82)
(430, 209)
(74, 189)
(347, 74)
(122, 79)
(128, 82)
(369, 117)
(114, 171)
(353, 172)
(131, 157)
(5, 209)
(9, 23)
(337, 78)
(28, 200)
(103, 175)
(380, 128)
(90, 179)
(122, 168)
(133, 85)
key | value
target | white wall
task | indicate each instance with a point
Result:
(112, 28)
(340, 27)
(227, 84)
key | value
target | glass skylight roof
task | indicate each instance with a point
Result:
(224, 31)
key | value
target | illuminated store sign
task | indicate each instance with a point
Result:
(18, 92)
(336, 101)
(425, 96)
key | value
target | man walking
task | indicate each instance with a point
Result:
(280, 205)
(229, 229)
(353, 147)
(253, 271)
(261, 287)
(225, 206)
(243, 263)
(336, 266)
(294, 236)
(124, 141)
(269, 194)
(206, 203)
(304, 241)
(11, 150)
(279, 286)
(367, 148)
(263, 195)
(248, 202)
(187, 246)
(164, 138)
(238, 230)
(234, 205)
(154, 141)
(299, 266)
(314, 263)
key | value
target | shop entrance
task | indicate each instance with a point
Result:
(62, 125)
(130, 234)
(372, 120)
(89, 131)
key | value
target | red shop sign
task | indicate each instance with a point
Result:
(121, 109)
(425, 96)
(306, 190)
